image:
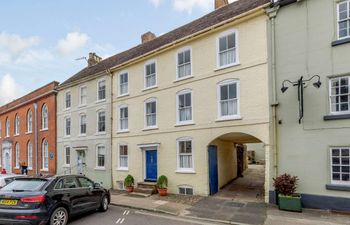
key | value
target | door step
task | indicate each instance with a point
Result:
(145, 189)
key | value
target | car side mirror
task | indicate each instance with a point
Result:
(97, 185)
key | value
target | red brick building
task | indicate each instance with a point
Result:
(28, 132)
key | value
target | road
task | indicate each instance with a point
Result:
(117, 215)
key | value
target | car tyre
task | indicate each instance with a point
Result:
(59, 216)
(104, 204)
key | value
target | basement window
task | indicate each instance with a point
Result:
(185, 190)
(120, 185)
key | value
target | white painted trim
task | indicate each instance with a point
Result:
(29, 143)
(181, 50)
(97, 121)
(29, 112)
(42, 156)
(65, 99)
(347, 183)
(119, 117)
(80, 115)
(338, 6)
(224, 34)
(149, 62)
(86, 96)
(118, 157)
(96, 157)
(184, 170)
(218, 99)
(118, 82)
(17, 126)
(150, 100)
(65, 126)
(187, 122)
(97, 86)
(145, 148)
(65, 156)
(330, 94)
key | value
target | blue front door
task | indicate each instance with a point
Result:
(213, 169)
(151, 165)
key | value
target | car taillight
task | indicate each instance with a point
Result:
(34, 199)
(27, 217)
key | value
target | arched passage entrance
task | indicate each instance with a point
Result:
(236, 163)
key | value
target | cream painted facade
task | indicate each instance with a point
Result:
(206, 128)
(83, 155)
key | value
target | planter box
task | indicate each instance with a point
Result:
(290, 203)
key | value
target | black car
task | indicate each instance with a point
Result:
(50, 200)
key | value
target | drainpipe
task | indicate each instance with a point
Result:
(36, 137)
(111, 129)
(272, 13)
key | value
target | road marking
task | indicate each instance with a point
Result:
(174, 218)
(122, 221)
(127, 213)
(117, 221)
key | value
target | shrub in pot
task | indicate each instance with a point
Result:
(162, 184)
(129, 183)
(286, 185)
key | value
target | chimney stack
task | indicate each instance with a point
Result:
(220, 3)
(146, 37)
(93, 59)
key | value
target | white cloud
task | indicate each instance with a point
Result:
(9, 89)
(16, 44)
(156, 3)
(188, 5)
(72, 42)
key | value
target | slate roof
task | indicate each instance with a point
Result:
(222, 14)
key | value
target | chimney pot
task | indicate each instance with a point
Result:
(146, 37)
(220, 3)
(93, 59)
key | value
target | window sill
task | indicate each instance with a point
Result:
(100, 168)
(66, 136)
(149, 88)
(123, 169)
(16, 135)
(184, 78)
(66, 109)
(341, 41)
(82, 105)
(336, 117)
(222, 119)
(100, 101)
(123, 95)
(226, 66)
(29, 132)
(30, 168)
(150, 128)
(185, 171)
(82, 135)
(338, 187)
(44, 129)
(100, 133)
(44, 170)
(122, 131)
(66, 166)
(184, 124)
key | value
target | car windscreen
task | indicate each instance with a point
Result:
(24, 185)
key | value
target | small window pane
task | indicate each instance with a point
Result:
(345, 161)
(345, 152)
(336, 161)
(336, 169)
(181, 58)
(222, 44)
(336, 176)
(345, 177)
(232, 91)
(231, 41)
(187, 56)
(224, 92)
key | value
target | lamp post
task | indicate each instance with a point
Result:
(300, 84)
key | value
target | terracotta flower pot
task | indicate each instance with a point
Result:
(162, 191)
(130, 189)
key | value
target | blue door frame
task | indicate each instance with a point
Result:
(213, 169)
(151, 165)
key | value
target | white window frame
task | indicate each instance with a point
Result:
(182, 50)
(30, 155)
(185, 187)
(186, 122)
(225, 34)
(98, 85)
(65, 126)
(44, 117)
(80, 124)
(145, 74)
(8, 127)
(98, 121)
(29, 121)
(97, 166)
(119, 118)
(330, 96)
(150, 100)
(224, 83)
(70, 99)
(184, 170)
(340, 182)
(65, 155)
(338, 18)
(81, 103)
(17, 155)
(17, 124)
(118, 159)
(119, 84)
(43, 155)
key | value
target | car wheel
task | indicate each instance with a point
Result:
(104, 204)
(59, 216)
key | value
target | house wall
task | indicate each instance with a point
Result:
(42, 96)
(92, 138)
(304, 35)
(252, 72)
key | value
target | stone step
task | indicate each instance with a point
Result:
(139, 194)
(144, 190)
(148, 185)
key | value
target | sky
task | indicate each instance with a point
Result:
(40, 40)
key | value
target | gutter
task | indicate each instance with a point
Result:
(172, 44)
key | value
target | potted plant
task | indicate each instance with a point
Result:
(286, 185)
(162, 184)
(129, 183)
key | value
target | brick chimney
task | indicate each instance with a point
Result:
(93, 59)
(146, 37)
(220, 3)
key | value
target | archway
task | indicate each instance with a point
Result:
(237, 167)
